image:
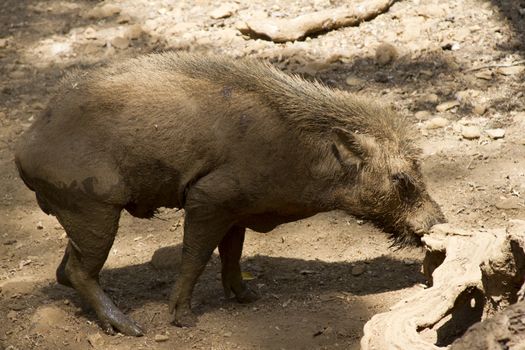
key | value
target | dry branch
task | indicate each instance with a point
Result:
(477, 274)
(282, 30)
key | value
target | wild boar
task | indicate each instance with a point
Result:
(237, 143)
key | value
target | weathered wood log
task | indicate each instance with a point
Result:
(506, 330)
(473, 275)
(282, 30)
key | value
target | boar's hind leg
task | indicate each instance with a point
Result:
(230, 249)
(91, 232)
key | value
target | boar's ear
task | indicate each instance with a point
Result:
(352, 148)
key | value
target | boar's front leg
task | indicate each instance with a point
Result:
(202, 234)
(208, 218)
(91, 232)
(230, 249)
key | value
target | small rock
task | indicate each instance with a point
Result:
(96, 341)
(358, 270)
(134, 32)
(426, 73)
(227, 334)
(39, 225)
(122, 19)
(510, 70)
(17, 306)
(470, 132)
(495, 133)
(484, 75)
(161, 338)
(17, 74)
(423, 115)
(509, 203)
(90, 33)
(479, 109)
(223, 11)
(3, 43)
(385, 54)
(436, 123)
(120, 42)
(354, 81)
(445, 106)
(429, 98)
(103, 11)
(12, 315)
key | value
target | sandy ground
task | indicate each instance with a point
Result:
(320, 279)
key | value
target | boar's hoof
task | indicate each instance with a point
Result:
(247, 296)
(117, 321)
(184, 317)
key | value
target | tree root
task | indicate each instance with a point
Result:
(473, 276)
(281, 30)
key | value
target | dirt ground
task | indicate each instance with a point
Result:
(320, 279)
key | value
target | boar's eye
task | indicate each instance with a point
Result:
(404, 183)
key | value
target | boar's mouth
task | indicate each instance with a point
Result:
(405, 238)
(409, 234)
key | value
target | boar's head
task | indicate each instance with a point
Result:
(384, 184)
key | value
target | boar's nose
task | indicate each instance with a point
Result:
(422, 226)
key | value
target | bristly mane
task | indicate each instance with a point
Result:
(309, 106)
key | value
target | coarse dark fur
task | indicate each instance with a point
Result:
(236, 143)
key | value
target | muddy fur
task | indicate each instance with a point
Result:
(236, 143)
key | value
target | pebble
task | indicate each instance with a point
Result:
(445, 106)
(429, 98)
(479, 109)
(120, 42)
(104, 11)
(508, 203)
(17, 74)
(385, 54)
(354, 81)
(161, 338)
(470, 132)
(17, 306)
(227, 334)
(423, 115)
(96, 341)
(510, 70)
(223, 11)
(134, 32)
(495, 133)
(484, 75)
(12, 315)
(3, 43)
(436, 123)
(358, 270)
(90, 33)
(39, 225)
(122, 19)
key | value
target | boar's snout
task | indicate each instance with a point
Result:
(419, 222)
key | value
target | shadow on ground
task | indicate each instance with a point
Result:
(133, 287)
